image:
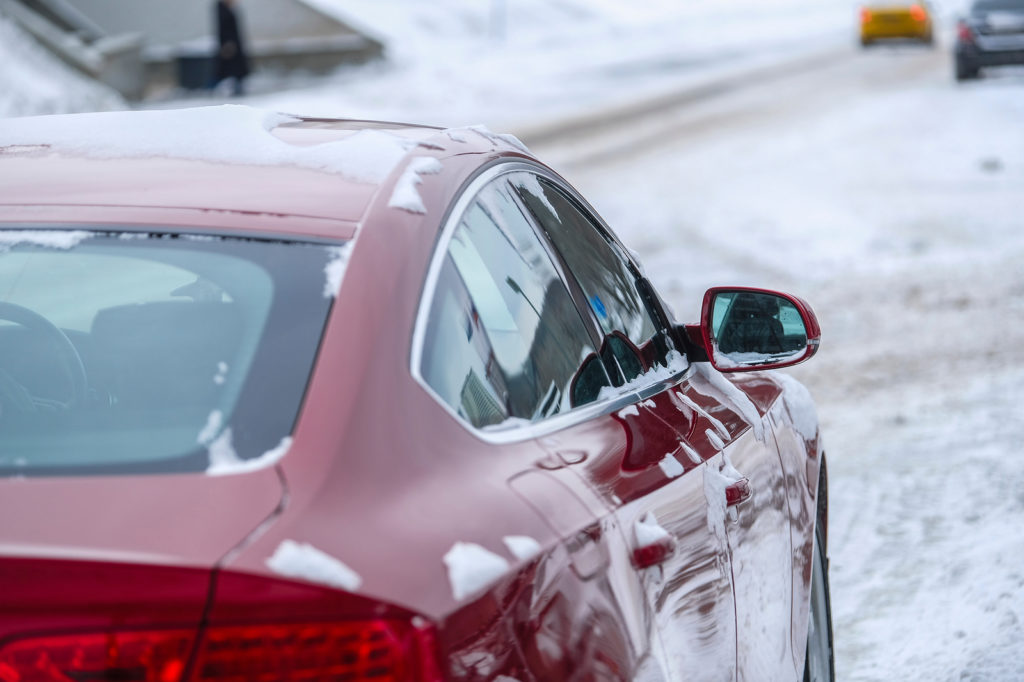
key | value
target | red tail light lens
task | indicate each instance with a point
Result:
(865, 16)
(381, 651)
(377, 651)
(963, 32)
(152, 656)
(917, 13)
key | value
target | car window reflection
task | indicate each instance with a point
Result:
(505, 339)
(631, 342)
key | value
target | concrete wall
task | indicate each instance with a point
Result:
(167, 23)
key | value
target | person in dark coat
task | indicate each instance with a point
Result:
(232, 61)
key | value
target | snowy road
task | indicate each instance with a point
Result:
(892, 199)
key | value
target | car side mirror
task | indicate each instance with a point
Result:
(744, 329)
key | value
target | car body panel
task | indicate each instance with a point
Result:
(1005, 42)
(801, 448)
(758, 533)
(135, 519)
(157, 182)
(691, 594)
(974, 58)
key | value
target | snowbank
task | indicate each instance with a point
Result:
(34, 81)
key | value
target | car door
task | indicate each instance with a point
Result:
(506, 350)
(755, 483)
(652, 458)
(757, 521)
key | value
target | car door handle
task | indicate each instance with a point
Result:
(653, 553)
(737, 492)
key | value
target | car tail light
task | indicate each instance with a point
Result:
(152, 656)
(372, 650)
(865, 16)
(86, 621)
(917, 13)
(963, 32)
(377, 650)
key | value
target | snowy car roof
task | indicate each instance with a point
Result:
(227, 158)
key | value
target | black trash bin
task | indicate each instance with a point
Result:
(195, 71)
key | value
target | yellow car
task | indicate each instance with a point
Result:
(912, 21)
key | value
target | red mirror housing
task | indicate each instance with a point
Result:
(744, 329)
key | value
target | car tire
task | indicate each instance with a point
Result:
(965, 71)
(819, 659)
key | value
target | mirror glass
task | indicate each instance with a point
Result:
(754, 328)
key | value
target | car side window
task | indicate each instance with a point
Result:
(458, 360)
(633, 342)
(504, 337)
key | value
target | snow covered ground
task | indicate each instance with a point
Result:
(870, 184)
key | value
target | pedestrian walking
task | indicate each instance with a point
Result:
(232, 61)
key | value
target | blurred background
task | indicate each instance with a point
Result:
(822, 147)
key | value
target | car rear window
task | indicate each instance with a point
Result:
(132, 352)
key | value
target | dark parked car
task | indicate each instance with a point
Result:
(992, 34)
(303, 399)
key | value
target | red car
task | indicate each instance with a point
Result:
(303, 399)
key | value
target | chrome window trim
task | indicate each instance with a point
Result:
(514, 430)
